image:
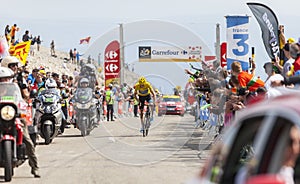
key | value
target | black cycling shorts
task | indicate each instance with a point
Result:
(143, 99)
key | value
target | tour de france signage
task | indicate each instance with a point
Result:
(169, 54)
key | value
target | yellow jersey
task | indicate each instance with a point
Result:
(144, 90)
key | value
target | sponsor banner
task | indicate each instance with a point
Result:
(269, 27)
(167, 54)
(112, 63)
(237, 40)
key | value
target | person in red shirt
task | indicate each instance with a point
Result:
(246, 80)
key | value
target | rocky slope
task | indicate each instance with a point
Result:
(61, 65)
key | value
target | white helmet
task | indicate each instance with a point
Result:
(9, 60)
(6, 72)
(84, 80)
(50, 83)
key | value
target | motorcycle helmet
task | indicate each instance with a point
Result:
(6, 72)
(50, 83)
(84, 81)
(142, 80)
(9, 60)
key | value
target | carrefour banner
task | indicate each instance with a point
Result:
(237, 40)
(169, 54)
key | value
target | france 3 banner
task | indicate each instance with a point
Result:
(237, 40)
(269, 27)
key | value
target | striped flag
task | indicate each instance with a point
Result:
(85, 40)
(21, 51)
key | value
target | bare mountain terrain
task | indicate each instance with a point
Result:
(62, 65)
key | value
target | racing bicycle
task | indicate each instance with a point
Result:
(146, 119)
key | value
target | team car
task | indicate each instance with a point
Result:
(171, 104)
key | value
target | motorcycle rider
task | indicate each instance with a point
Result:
(12, 62)
(84, 83)
(51, 88)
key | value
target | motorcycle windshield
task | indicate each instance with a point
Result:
(49, 98)
(10, 92)
(83, 95)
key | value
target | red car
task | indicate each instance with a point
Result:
(171, 104)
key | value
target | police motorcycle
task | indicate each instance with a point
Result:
(48, 115)
(12, 107)
(85, 108)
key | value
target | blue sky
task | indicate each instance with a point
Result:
(68, 21)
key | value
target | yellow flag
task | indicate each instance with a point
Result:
(21, 51)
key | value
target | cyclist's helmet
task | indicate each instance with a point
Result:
(50, 83)
(6, 72)
(142, 80)
(8, 60)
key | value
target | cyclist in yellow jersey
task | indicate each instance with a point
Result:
(144, 90)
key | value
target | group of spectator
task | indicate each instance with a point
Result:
(74, 56)
(231, 90)
(10, 35)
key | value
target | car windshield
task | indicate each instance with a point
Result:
(171, 100)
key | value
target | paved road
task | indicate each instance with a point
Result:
(116, 152)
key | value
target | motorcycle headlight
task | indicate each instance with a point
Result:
(8, 113)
